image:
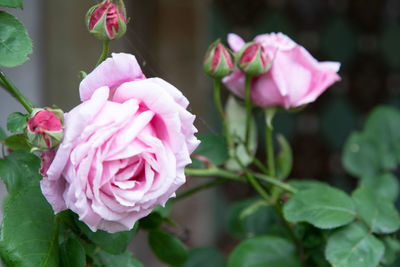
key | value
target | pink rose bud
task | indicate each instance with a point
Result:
(45, 129)
(253, 60)
(107, 21)
(218, 62)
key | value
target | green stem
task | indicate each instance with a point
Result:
(256, 185)
(255, 160)
(218, 104)
(299, 245)
(15, 92)
(276, 182)
(104, 54)
(214, 172)
(269, 146)
(248, 108)
(198, 188)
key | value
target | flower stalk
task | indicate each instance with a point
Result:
(104, 53)
(218, 104)
(248, 109)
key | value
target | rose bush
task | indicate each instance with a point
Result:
(295, 78)
(124, 150)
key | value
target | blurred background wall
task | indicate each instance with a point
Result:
(169, 39)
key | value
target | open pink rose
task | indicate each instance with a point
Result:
(124, 149)
(295, 78)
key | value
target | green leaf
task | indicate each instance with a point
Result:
(17, 142)
(383, 126)
(264, 251)
(196, 163)
(284, 160)
(125, 259)
(250, 217)
(251, 209)
(236, 120)
(384, 186)
(3, 134)
(112, 243)
(305, 184)
(213, 147)
(360, 156)
(204, 256)
(167, 248)
(323, 206)
(354, 246)
(18, 170)
(377, 148)
(72, 253)
(15, 44)
(163, 211)
(11, 3)
(151, 222)
(29, 230)
(378, 213)
(16, 122)
(392, 247)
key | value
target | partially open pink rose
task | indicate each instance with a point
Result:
(124, 149)
(296, 78)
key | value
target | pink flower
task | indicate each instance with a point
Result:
(295, 77)
(124, 149)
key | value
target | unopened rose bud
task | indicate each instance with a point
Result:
(218, 62)
(45, 129)
(107, 21)
(253, 60)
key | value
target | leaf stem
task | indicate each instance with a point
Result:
(6, 84)
(104, 53)
(248, 108)
(198, 188)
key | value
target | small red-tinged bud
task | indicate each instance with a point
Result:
(107, 21)
(45, 129)
(218, 62)
(253, 60)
